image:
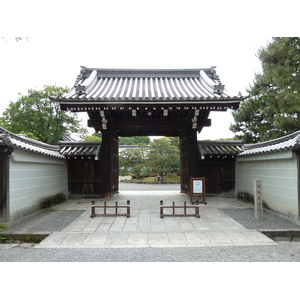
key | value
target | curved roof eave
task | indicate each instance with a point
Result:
(287, 142)
(23, 143)
(112, 86)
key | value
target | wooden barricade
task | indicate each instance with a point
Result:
(184, 207)
(107, 214)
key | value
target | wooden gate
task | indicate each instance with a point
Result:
(219, 174)
(147, 102)
(212, 174)
(84, 177)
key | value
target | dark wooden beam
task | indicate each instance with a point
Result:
(149, 132)
(146, 123)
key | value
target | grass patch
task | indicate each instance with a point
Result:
(2, 227)
(19, 237)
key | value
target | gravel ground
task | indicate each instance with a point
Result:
(271, 220)
(284, 252)
(45, 221)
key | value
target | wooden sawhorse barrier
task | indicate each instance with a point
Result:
(106, 214)
(184, 207)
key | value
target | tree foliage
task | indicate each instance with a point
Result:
(39, 117)
(134, 161)
(95, 137)
(134, 140)
(161, 156)
(164, 156)
(273, 107)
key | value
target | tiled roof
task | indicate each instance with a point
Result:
(220, 147)
(133, 85)
(24, 143)
(291, 141)
(72, 149)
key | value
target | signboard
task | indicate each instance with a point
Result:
(197, 188)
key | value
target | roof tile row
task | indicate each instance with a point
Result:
(220, 147)
(147, 85)
(288, 142)
(27, 144)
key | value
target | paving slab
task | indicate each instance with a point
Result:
(74, 239)
(96, 239)
(56, 238)
(117, 239)
(145, 228)
(158, 239)
(239, 238)
(258, 237)
(177, 238)
(219, 238)
(197, 238)
(138, 239)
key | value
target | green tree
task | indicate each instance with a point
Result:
(174, 141)
(134, 161)
(164, 156)
(273, 107)
(39, 117)
(95, 137)
(134, 140)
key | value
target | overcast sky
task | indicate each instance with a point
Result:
(65, 35)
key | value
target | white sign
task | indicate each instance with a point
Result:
(197, 187)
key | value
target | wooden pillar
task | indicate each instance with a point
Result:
(188, 158)
(4, 187)
(183, 163)
(109, 163)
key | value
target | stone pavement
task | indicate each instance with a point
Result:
(145, 228)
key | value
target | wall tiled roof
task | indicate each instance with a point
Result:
(288, 142)
(72, 149)
(220, 147)
(24, 143)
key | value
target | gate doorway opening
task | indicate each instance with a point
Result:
(151, 161)
(147, 102)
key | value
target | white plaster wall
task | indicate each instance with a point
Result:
(279, 175)
(34, 178)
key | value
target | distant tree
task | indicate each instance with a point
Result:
(164, 156)
(39, 117)
(228, 139)
(174, 141)
(96, 137)
(134, 161)
(161, 156)
(134, 140)
(273, 108)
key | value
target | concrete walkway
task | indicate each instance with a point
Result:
(145, 228)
